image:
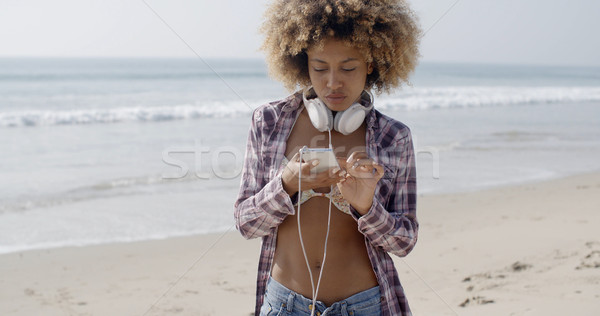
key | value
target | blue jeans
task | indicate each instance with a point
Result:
(280, 300)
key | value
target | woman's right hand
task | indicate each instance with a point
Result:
(310, 179)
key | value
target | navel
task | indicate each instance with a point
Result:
(317, 265)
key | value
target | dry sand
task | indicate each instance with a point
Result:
(532, 249)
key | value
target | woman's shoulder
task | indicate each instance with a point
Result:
(390, 130)
(269, 112)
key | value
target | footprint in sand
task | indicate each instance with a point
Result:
(475, 300)
(592, 259)
(491, 280)
(484, 281)
(519, 266)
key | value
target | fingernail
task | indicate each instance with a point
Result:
(342, 173)
(336, 169)
(348, 160)
(315, 162)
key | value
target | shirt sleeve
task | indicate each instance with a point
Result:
(262, 203)
(391, 223)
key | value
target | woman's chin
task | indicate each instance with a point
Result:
(338, 107)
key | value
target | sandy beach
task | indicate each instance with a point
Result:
(530, 249)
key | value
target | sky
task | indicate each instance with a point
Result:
(547, 32)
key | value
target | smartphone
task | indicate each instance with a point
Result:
(325, 156)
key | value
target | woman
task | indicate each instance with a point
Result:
(335, 50)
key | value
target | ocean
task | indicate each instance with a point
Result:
(118, 150)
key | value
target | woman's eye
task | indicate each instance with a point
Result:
(319, 69)
(348, 69)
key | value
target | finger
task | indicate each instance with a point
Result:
(379, 170)
(291, 165)
(357, 155)
(347, 180)
(334, 171)
(364, 164)
(375, 171)
(358, 159)
(341, 161)
(370, 170)
(308, 166)
(336, 174)
(361, 172)
(365, 168)
(296, 157)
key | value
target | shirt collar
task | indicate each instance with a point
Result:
(371, 119)
(295, 100)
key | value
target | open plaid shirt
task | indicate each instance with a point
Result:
(389, 226)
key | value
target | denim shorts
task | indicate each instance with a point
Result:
(280, 300)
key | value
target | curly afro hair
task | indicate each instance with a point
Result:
(385, 32)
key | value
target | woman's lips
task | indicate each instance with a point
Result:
(335, 98)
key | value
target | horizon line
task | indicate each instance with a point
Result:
(257, 58)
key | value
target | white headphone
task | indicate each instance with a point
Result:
(345, 122)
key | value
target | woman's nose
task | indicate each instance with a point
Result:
(333, 81)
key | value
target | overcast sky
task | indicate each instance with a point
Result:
(551, 32)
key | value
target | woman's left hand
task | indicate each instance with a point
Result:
(362, 175)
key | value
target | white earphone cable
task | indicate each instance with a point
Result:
(324, 250)
(312, 283)
(315, 292)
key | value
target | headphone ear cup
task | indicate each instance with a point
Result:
(320, 115)
(350, 120)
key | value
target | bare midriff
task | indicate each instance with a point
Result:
(347, 269)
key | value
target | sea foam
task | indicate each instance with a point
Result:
(408, 99)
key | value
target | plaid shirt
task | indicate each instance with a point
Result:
(389, 226)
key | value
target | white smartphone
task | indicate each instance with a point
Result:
(325, 156)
